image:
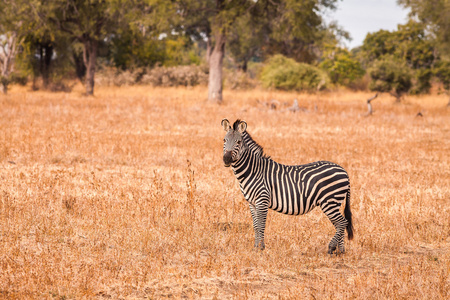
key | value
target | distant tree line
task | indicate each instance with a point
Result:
(46, 41)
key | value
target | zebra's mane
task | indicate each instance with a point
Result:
(254, 146)
(236, 124)
(251, 143)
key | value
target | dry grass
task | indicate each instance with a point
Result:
(124, 195)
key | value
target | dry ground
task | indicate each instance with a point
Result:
(124, 195)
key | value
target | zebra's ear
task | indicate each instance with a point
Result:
(226, 125)
(242, 127)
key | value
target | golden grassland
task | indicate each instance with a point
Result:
(124, 195)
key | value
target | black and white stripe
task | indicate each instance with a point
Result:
(292, 190)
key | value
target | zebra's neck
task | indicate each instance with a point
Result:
(251, 157)
(253, 146)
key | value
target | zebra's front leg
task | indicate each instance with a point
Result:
(259, 216)
(254, 218)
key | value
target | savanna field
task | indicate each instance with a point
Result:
(124, 196)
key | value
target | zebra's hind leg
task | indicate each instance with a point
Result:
(331, 209)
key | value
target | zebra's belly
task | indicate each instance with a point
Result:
(290, 203)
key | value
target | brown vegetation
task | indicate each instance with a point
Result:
(124, 195)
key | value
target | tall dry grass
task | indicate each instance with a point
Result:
(124, 195)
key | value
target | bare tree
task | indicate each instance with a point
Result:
(8, 51)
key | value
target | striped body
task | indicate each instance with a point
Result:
(292, 190)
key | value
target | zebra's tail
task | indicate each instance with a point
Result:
(348, 215)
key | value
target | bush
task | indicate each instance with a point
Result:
(422, 81)
(286, 74)
(389, 75)
(176, 76)
(239, 80)
(342, 67)
(19, 79)
(158, 76)
(110, 76)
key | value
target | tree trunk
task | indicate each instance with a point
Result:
(4, 88)
(80, 68)
(215, 69)
(46, 59)
(208, 50)
(244, 66)
(90, 58)
(7, 56)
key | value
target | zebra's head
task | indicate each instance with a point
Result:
(233, 143)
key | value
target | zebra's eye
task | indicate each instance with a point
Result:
(238, 142)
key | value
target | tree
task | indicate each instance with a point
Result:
(45, 53)
(212, 21)
(88, 22)
(8, 51)
(390, 75)
(92, 21)
(296, 28)
(287, 26)
(13, 27)
(442, 72)
(342, 67)
(410, 46)
(246, 40)
(436, 15)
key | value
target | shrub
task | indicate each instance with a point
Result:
(176, 76)
(286, 74)
(158, 76)
(110, 76)
(19, 79)
(422, 81)
(342, 67)
(389, 75)
(239, 80)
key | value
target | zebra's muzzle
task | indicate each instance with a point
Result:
(227, 158)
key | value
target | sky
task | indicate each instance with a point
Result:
(360, 17)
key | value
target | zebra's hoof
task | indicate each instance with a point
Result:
(331, 250)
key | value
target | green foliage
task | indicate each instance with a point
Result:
(435, 15)
(390, 75)
(410, 47)
(285, 73)
(421, 81)
(409, 43)
(245, 40)
(180, 50)
(296, 28)
(129, 50)
(132, 50)
(376, 45)
(442, 72)
(342, 67)
(19, 79)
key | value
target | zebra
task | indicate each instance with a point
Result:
(292, 190)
